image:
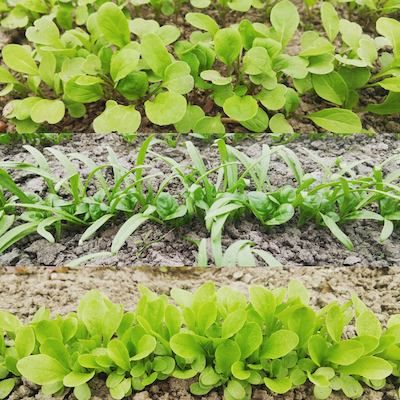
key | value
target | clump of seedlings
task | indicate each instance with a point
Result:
(203, 335)
(238, 187)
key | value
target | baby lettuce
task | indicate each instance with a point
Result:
(215, 337)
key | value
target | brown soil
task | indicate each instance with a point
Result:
(157, 245)
(24, 292)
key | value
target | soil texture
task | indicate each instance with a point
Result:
(166, 245)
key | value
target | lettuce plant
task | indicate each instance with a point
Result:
(203, 336)
(142, 68)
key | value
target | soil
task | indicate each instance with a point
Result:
(309, 102)
(166, 245)
(60, 290)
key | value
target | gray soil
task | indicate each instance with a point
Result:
(60, 290)
(155, 245)
(309, 102)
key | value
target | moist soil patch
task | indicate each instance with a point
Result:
(310, 20)
(166, 245)
(24, 292)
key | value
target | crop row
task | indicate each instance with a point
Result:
(218, 337)
(76, 12)
(237, 187)
(241, 74)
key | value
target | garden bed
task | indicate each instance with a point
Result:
(23, 293)
(202, 94)
(155, 244)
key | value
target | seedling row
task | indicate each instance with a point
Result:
(114, 71)
(203, 336)
(236, 188)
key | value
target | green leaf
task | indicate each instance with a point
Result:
(317, 348)
(6, 387)
(25, 341)
(117, 118)
(235, 389)
(279, 344)
(345, 352)
(177, 78)
(259, 123)
(390, 28)
(273, 99)
(391, 105)
(126, 230)
(82, 392)
(233, 323)
(51, 111)
(330, 20)
(337, 232)
(189, 120)
(391, 84)
(241, 108)
(263, 301)
(209, 126)
(369, 367)
(44, 32)
(202, 21)
(145, 347)
(228, 45)
(337, 120)
(19, 59)
(117, 351)
(154, 53)
(42, 369)
(279, 124)
(278, 385)
(123, 63)
(335, 322)
(285, 20)
(83, 93)
(76, 379)
(351, 387)
(249, 339)
(113, 24)
(215, 77)
(367, 324)
(167, 108)
(331, 87)
(185, 346)
(226, 354)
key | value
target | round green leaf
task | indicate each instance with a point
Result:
(241, 108)
(51, 111)
(188, 122)
(177, 78)
(209, 125)
(117, 118)
(167, 108)
(42, 369)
